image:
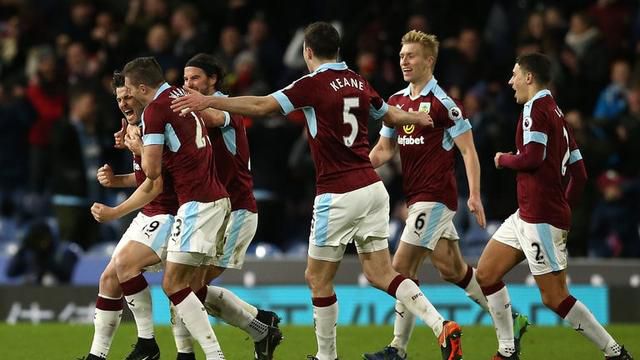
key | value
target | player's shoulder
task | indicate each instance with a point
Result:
(453, 107)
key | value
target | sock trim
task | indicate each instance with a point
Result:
(202, 294)
(177, 297)
(416, 281)
(324, 301)
(565, 306)
(393, 286)
(134, 285)
(466, 279)
(492, 289)
(106, 304)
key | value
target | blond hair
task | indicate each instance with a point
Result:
(429, 42)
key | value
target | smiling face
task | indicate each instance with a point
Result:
(520, 79)
(130, 107)
(415, 64)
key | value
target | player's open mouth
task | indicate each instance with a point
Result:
(406, 71)
(128, 112)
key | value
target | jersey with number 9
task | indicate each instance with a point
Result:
(187, 153)
(541, 197)
(337, 104)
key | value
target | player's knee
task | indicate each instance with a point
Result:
(109, 281)
(125, 266)
(486, 277)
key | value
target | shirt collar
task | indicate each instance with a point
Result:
(538, 95)
(332, 66)
(162, 88)
(220, 93)
(425, 90)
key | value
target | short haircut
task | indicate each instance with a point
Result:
(208, 64)
(144, 70)
(323, 39)
(117, 80)
(538, 64)
(429, 42)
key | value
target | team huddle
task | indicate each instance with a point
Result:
(198, 214)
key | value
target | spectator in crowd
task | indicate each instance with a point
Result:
(614, 224)
(612, 100)
(190, 41)
(230, 46)
(42, 259)
(159, 45)
(628, 135)
(76, 157)
(46, 94)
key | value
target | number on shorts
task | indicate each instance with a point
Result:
(178, 228)
(539, 255)
(420, 221)
(151, 227)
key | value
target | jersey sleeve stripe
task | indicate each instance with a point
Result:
(461, 127)
(378, 113)
(284, 102)
(227, 119)
(575, 156)
(535, 136)
(153, 139)
(387, 132)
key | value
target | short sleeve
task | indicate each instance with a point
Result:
(458, 124)
(388, 132)
(297, 95)
(378, 108)
(574, 154)
(153, 125)
(535, 125)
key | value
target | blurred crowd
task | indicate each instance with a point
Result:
(58, 113)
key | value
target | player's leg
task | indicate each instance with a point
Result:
(322, 265)
(130, 262)
(107, 314)
(549, 255)
(501, 254)
(196, 230)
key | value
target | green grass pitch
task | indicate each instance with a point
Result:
(66, 342)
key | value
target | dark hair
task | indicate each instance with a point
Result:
(144, 70)
(323, 39)
(117, 80)
(538, 64)
(209, 65)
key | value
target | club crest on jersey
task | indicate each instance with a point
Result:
(526, 123)
(409, 129)
(136, 166)
(455, 113)
(424, 107)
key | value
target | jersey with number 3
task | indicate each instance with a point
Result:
(187, 153)
(337, 104)
(541, 197)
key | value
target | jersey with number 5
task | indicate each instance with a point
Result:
(541, 197)
(337, 104)
(187, 153)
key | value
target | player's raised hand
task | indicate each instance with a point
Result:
(476, 208)
(105, 176)
(103, 213)
(118, 136)
(496, 159)
(192, 101)
(133, 142)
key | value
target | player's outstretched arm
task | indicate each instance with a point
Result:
(243, 105)
(214, 118)
(464, 143)
(383, 151)
(106, 178)
(144, 194)
(395, 117)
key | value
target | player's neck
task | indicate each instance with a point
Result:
(533, 90)
(315, 63)
(417, 86)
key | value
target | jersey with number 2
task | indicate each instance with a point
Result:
(541, 197)
(187, 155)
